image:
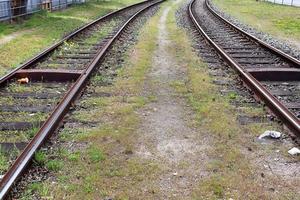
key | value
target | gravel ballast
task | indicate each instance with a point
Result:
(277, 43)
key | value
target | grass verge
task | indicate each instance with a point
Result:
(44, 28)
(278, 20)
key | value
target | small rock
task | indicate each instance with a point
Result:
(294, 151)
(272, 134)
(175, 174)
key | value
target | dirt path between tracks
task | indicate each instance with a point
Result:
(167, 134)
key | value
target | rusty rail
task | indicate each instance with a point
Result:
(288, 118)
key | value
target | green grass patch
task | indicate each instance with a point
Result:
(36, 188)
(40, 158)
(95, 154)
(3, 162)
(54, 165)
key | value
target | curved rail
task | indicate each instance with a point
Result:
(60, 42)
(51, 124)
(288, 118)
(264, 44)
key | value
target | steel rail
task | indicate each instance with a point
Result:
(288, 118)
(262, 43)
(53, 47)
(52, 123)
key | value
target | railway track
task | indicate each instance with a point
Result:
(36, 96)
(271, 74)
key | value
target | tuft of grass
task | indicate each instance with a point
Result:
(54, 165)
(232, 95)
(40, 157)
(95, 154)
(31, 132)
(74, 157)
(36, 188)
(3, 162)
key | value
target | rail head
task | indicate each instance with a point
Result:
(290, 120)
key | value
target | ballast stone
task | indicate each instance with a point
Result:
(294, 151)
(272, 134)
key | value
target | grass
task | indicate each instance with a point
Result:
(22, 116)
(54, 165)
(3, 162)
(278, 20)
(36, 187)
(40, 158)
(44, 28)
(95, 154)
